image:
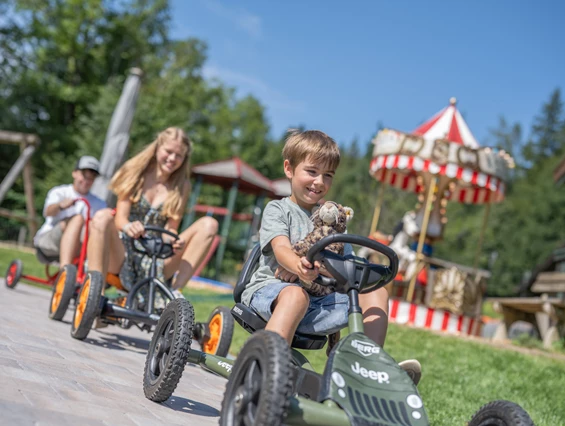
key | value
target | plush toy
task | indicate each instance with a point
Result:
(329, 218)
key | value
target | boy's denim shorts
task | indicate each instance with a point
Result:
(325, 315)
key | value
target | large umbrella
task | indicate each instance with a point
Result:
(117, 137)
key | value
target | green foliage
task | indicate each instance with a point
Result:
(62, 69)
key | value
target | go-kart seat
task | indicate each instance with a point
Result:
(251, 321)
(43, 258)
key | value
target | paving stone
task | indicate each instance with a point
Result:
(48, 378)
(9, 362)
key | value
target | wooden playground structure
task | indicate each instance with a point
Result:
(28, 143)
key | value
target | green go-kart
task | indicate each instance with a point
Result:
(271, 384)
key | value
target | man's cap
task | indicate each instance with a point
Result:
(88, 162)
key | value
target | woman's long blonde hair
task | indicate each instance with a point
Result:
(129, 179)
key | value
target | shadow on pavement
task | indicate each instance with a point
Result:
(184, 405)
(119, 342)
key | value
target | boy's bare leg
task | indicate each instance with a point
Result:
(198, 237)
(70, 240)
(375, 314)
(288, 310)
(105, 249)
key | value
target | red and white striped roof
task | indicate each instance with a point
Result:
(396, 165)
(448, 124)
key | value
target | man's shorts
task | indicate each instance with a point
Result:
(50, 242)
(325, 315)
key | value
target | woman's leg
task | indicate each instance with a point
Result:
(375, 314)
(105, 252)
(198, 238)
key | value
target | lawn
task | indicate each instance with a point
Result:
(459, 375)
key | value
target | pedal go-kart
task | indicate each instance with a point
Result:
(65, 283)
(144, 303)
(270, 383)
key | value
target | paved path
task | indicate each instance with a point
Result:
(49, 378)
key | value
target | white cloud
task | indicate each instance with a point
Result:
(244, 84)
(244, 20)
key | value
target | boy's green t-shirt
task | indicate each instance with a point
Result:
(281, 217)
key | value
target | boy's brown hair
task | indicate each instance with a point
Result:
(313, 145)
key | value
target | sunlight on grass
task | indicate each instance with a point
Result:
(458, 375)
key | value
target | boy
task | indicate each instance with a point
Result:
(310, 162)
(60, 235)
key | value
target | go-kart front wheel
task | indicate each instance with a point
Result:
(14, 273)
(88, 305)
(501, 413)
(62, 292)
(260, 383)
(168, 350)
(220, 326)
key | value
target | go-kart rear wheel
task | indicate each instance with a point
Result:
(62, 292)
(501, 413)
(88, 305)
(260, 383)
(220, 326)
(168, 350)
(14, 273)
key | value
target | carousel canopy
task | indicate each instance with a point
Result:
(443, 146)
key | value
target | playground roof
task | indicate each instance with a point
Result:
(281, 187)
(225, 172)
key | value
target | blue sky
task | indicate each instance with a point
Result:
(343, 67)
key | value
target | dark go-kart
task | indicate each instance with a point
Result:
(65, 283)
(143, 304)
(270, 383)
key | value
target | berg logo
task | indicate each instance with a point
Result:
(365, 348)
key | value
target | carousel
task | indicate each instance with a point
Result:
(442, 162)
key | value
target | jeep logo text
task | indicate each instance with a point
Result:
(379, 376)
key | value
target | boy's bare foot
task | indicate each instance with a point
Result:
(413, 368)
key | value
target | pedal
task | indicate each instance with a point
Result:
(201, 333)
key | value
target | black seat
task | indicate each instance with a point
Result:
(43, 258)
(251, 321)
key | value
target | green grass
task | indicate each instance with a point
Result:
(31, 266)
(459, 375)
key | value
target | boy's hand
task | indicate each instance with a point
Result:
(284, 275)
(307, 271)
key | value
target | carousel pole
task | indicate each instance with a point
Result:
(482, 236)
(377, 211)
(422, 239)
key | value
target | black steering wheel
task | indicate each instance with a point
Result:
(349, 271)
(153, 245)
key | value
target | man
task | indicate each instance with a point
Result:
(61, 234)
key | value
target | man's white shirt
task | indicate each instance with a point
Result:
(60, 193)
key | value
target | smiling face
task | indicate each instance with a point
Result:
(83, 180)
(170, 156)
(309, 182)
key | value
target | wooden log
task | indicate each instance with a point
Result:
(18, 138)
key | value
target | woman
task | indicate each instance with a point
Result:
(152, 189)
